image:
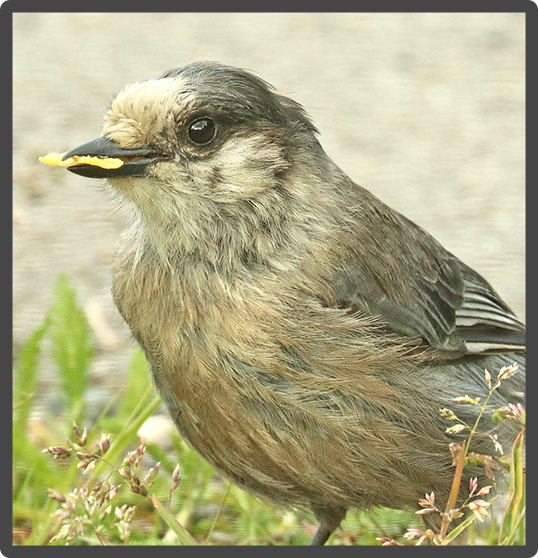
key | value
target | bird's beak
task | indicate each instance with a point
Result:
(135, 161)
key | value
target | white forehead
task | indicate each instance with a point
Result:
(138, 98)
(141, 110)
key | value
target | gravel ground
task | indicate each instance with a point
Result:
(425, 110)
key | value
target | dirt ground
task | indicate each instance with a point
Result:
(424, 110)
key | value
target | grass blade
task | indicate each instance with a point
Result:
(25, 385)
(183, 535)
(515, 509)
(73, 348)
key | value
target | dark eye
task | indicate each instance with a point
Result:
(202, 131)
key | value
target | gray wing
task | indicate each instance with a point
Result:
(396, 271)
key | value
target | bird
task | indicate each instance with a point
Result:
(303, 335)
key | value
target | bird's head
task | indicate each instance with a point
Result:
(204, 130)
(217, 164)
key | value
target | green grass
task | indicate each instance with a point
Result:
(149, 508)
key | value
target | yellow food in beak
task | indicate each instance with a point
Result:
(55, 159)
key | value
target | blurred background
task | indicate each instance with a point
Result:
(427, 111)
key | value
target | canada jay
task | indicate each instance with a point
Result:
(303, 335)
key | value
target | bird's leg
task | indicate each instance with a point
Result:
(322, 535)
(329, 518)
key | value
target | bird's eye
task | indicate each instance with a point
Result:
(202, 131)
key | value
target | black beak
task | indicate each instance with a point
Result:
(135, 161)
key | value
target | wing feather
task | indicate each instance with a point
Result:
(395, 270)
